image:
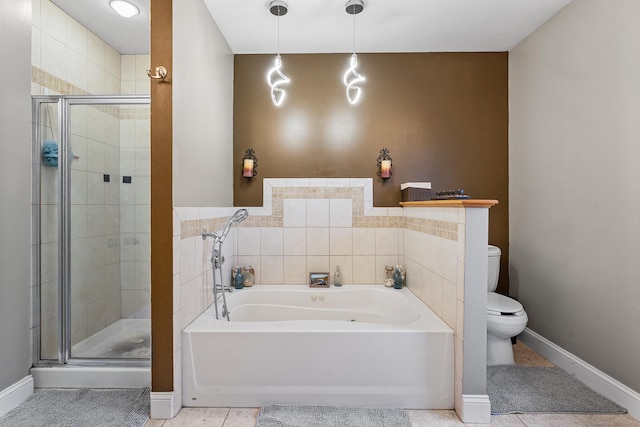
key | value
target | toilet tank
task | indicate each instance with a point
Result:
(493, 268)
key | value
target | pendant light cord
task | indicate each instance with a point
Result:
(278, 30)
(353, 10)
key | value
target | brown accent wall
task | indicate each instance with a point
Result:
(443, 116)
(161, 201)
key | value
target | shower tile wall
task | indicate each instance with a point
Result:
(110, 221)
(135, 201)
(95, 224)
(67, 58)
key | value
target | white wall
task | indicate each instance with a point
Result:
(15, 190)
(202, 109)
(202, 157)
(574, 147)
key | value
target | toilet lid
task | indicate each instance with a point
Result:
(499, 304)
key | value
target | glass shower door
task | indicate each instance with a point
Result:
(110, 230)
(93, 214)
(46, 237)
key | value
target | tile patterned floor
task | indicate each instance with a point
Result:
(524, 356)
(246, 417)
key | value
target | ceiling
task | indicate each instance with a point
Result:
(128, 36)
(323, 26)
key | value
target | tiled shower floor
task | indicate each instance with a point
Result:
(246, 417)
(124, 339)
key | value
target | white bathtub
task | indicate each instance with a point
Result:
(357, 345)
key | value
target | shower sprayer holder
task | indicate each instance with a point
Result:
(218, 259)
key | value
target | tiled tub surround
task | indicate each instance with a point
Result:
(315, 225)
(309, 225)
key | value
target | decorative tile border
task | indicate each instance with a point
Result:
(445, 229)
(62, 87)
(194, 227)
(56, 84)
(359, 190)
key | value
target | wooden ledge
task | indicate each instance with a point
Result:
(454, 203)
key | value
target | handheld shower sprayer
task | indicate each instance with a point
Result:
(239, 216)
(217, 258)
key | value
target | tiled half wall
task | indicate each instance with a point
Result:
(310, 225)
(317, 224)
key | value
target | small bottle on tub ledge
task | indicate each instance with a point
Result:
(398, 277)
(249, 276)
(337, 277)
(388, 274)
(239, 280)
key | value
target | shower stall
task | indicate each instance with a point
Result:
(91, 232)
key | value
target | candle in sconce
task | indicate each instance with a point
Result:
(247, 168)
(385, 169)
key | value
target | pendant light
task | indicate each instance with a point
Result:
(351, 77)
(275, 76)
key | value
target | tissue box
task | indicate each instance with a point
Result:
(415, 191)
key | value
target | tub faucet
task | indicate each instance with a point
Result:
(319, 283)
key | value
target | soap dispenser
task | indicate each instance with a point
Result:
(337, 277)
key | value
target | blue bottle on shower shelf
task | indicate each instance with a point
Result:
(239, 280)
(397, 278)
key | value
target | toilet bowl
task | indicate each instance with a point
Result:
(505, 316)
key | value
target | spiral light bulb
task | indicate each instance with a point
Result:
(277, 94)
(352, 77)
(353, 91)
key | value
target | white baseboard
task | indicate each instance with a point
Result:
(15, 394)
(91, 377)
(164, 405)
(476, 409)
(595, 379)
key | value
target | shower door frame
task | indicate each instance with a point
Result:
(64, 104)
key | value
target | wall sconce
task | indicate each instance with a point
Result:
(249, 164)
(384, 164)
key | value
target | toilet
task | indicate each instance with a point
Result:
(505, 316)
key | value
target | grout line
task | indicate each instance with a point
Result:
(537, 416)
(225, 417)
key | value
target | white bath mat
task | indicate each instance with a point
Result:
(81, 408)
(330, 416)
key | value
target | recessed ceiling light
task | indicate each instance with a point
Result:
(124, 8)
